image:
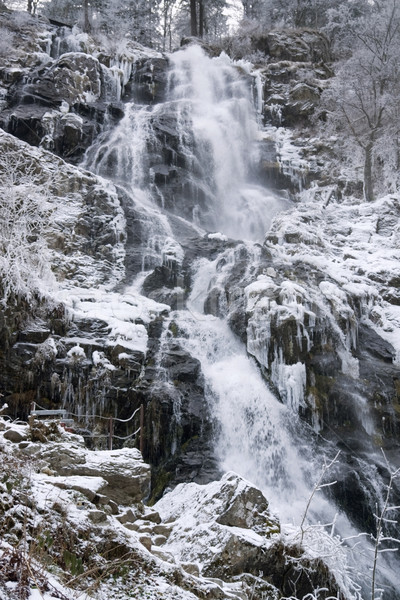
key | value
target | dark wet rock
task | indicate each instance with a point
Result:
(298, 45)
(353, 494)
(289, 100)
(151, 80)
(372, 347)
(180, 365)
(60, 104)
(163, 276)
(74, 77)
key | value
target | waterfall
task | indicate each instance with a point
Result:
(265, 441)
(210, 102)
(122, 156)
(205, 133)
(216, 95)
(187, 166)
(254, 432)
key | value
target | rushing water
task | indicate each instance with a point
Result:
(225, 130)
(214, 114)
(210, 104)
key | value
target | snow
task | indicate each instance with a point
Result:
(76, 353)
(118, 311)
(94, 484)
(172, 252)
(99, 359)
(359, 257)
(217, 236)
(111, 459)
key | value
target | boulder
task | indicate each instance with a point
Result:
(74, 77)
(161, 554)
(231, 503)
(97, 516)
(214, 532)
(127, 476)
(145, 540)
(88, 486)
(15, 435)
(127, 517)
(153, 517)
(180, 365)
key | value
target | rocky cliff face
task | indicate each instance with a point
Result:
(314, 302)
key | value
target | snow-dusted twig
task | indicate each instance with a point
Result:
(381, 520)
(318, 486)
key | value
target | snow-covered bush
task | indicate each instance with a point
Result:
(25, 216)
(6, 42)
(242, 44)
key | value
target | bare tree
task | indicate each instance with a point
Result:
(363, 102)
(193, 18)
(201, 14)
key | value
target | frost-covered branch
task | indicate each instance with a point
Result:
(318, 486)
(25, 215)
(381, 520)
(364, 97)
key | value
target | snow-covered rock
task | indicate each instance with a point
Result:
(125, 476)
(220, 526)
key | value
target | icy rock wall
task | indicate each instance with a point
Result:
(71, 88)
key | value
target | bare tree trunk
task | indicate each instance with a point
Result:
(201, 18)
(165, 25)
(86, 24)
(368, 182)
(193, 17)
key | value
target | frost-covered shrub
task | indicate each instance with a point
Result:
(243, 43)
(114, 45)
(6, 42)
(23, 20)
(25, 216)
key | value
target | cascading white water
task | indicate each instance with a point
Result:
(209, 104)
(263, 440)
(254, 435)
(122, 156)
(217, 98)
